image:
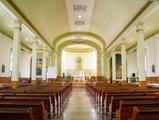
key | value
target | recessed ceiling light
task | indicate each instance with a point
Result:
(79, 28)
(10, 26)
(147, 28)
(26, 39)
(131, 40)
(79, 16)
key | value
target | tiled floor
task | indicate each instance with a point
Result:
(79, 106)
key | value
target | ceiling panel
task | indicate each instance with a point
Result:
(79, 13)
(111, 16)
(48, 16)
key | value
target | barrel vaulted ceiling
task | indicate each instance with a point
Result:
(104, 18)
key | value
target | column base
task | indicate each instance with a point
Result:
(123, 81)
(33, 82)
(43, 82)
(142, 83)
(116, 81)
(14, 84)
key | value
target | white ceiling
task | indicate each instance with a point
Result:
(7, 28)
(105, 18)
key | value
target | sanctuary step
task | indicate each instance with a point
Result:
(79, 84)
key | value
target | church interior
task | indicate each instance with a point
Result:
(79, 60)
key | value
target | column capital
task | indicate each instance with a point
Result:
(123, 42)
(108, 54)
(113, 50)
(123, 46)
(140, 26)
(44, 49)
(35, 40)
(17, 25)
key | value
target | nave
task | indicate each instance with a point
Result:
(79, 59)
(79, 106)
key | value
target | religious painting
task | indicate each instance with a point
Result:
(118, 66)
(39, 67)
(78, 63)
(153, 68)
(3, 68)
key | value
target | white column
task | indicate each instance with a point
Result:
(123, 59)
(51, 58)
(34, 59)
(105, 64)
(108, 66)
(140, 52)
(59, 56)
(102, 64)
(16, 51)
(113, 65)
(44, 64)
(54, 57)
(99, 62)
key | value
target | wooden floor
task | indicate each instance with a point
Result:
(79, 106)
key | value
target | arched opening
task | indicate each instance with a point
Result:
(93, 45)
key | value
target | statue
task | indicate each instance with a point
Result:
(78, 63)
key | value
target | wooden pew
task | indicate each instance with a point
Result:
(145, 113)
(46, 100)
(114, 105)
(108, 96)
(103, 92)
(39, 113)
(126, 107)
(57, 93)
(50, 105)
(16, 114)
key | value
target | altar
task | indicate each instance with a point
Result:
(78, 75)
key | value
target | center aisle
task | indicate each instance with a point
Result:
(79, 106)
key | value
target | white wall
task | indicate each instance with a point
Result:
(88, 61)
(5, 51)
(69, 60)
(152, 57)
(25, 64)
(5, 56)
(152, 53)
(131, 63)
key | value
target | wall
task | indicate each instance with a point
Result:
(152, 56)
(5, 51)
(88, 63)
(25, 64)
(131, 63)
(5, 56)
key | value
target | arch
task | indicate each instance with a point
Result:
(60, 47)
(89, 36)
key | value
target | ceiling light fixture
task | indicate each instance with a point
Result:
(10, 26)
(147, 28)
(79, 28)
(79, 16)
(131, 40)
(26, 39)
